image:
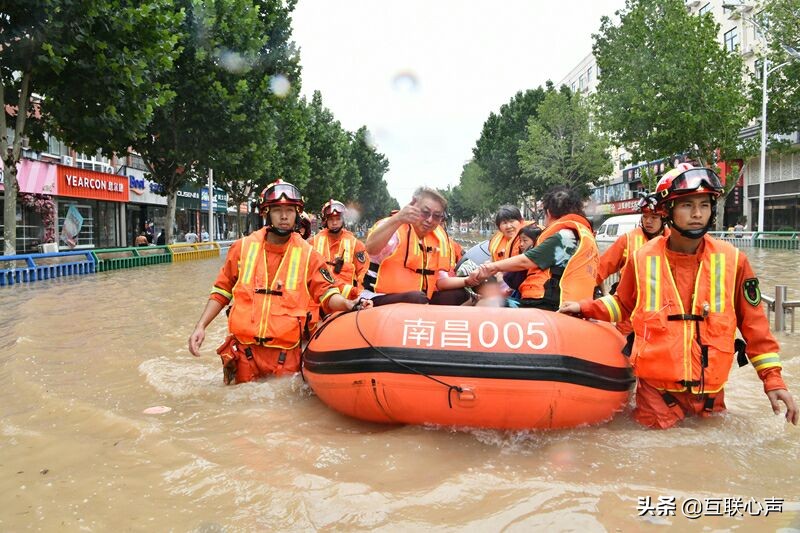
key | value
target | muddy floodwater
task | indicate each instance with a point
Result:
(82, 359)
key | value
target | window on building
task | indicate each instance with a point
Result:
(758, 68)
(589, 75)
(582, 83)
(573, 87)
(55, 146)
(705, 9)
(731, 39)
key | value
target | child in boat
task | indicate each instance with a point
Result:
(527, 237)
(487, 292)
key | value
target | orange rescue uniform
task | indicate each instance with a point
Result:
(617, 256)
(270, 287)
(500, 246)
(353, 255)
(685, 309)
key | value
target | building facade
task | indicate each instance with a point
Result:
(782, 176)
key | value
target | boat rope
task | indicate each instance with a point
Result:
(450, 388)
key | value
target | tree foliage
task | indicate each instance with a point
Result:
(495, 152)
(561, 147)
(781, 18)
(224, 114)
(668, 86)
(332, 171)
(96, 64)
(372, 199)
(471, 197)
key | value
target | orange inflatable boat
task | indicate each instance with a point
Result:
(469, 366)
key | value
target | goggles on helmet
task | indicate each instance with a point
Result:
(646, 203)
(333, 207)
(283, 190)
(696, 179)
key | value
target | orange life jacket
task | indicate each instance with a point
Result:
(574, 282)
(346, 279)
(414, 265)
(668, 352)
(499, 246)
(270, 316)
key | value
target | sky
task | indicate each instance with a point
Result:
(423, 75)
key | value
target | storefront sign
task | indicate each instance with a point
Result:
(188, 198)
(143, 190)
(81, 183)
(220, 200)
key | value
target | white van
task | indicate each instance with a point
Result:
(612, 228)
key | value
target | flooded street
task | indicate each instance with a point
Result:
(82, 358)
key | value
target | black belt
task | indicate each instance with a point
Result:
(269, 291)
(697, 318)
(425, 271)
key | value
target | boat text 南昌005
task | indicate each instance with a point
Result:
(479, 367)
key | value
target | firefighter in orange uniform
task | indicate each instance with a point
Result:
(270, 278)
(563, 264)
(344, 254)
(618, 254)
(686, 294)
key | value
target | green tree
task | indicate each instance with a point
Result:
(668, 86)
(562, 148)
(97, 66)
(332, 171)
(781, 18)
(373, 199)
(473, 193)
(496, 149)
(223, 114)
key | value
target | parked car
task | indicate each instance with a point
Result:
(612, 228)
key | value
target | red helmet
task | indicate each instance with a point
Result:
(305, 225)
(686, 179)
(280, 192)
(332, 207)
(647, 204)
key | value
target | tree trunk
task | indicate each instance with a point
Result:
(10, 208)
(172, 202)
(10, 160)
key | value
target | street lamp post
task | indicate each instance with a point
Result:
(766, 71)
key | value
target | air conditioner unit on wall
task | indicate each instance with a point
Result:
(692, 3)
(66, 160)
(748, 50)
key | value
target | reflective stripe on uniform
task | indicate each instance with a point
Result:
(653, 277)
(293, 268)
(766, 360)
(222, 292)
(717, 297)
(249, 263)
(612, 306)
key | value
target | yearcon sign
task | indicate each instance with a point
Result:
(82, 183)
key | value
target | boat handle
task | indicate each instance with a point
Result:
(466, 394)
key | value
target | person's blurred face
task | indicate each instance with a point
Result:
(432, 214)
(525, 242)
(283, 216)
(334, 221)
(509, 227)
(651, 223)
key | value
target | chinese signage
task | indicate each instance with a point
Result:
(82, 183)
(220, 200)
